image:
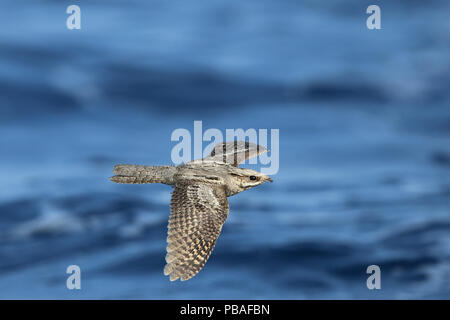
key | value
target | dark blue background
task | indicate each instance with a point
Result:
(364, 123)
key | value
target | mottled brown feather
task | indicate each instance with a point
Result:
(198, 212)
(235, 153)
(199, 205)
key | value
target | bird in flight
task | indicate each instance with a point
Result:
(199, 205)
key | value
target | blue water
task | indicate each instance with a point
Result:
(364, 120)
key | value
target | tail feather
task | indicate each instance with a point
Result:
(136, 174)
(126, 179)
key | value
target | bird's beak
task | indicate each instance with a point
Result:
(269, 179)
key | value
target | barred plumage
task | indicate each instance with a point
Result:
(199, 205)
(198, 212)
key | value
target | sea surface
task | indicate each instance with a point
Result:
(364, 148)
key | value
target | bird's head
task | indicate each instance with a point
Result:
(243, 179)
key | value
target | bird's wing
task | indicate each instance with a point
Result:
(235, 152)
(197, 213)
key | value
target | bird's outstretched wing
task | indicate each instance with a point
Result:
(235, 152)
(198, 212)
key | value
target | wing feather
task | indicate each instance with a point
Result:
(198, 212)
(235, 152)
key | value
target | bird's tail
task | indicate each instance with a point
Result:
(134, 174)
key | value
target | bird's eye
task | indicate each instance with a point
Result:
(252, 178)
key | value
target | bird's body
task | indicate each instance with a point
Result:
(199, 205)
